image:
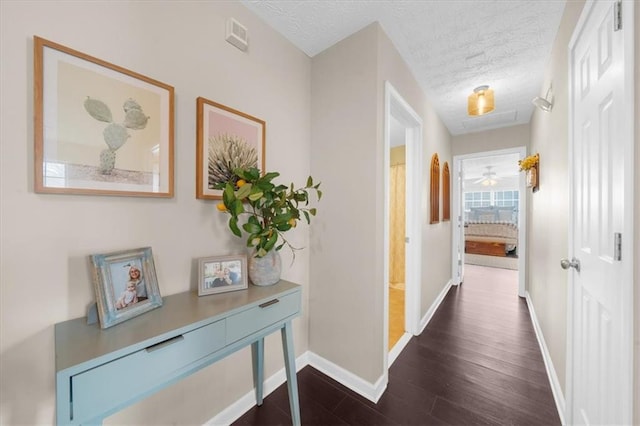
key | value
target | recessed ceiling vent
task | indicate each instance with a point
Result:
(237, 34)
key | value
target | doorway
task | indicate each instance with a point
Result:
(404, 127)
(489, 209)
(397, 231)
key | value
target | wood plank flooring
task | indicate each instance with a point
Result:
(476, 363)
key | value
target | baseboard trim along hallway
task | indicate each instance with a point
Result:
(371, 391)
(480, 360)
(246, 402)
(434, 307)
(558, 396)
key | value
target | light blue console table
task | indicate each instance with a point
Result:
(101, 371)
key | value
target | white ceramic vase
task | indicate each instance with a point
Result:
(265, 270)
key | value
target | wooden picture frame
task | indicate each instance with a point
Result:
(226, 139)
(434, 192)
(100, 129)
(125, 284)
(220, 274)
(446, 193)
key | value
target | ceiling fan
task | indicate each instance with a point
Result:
(489, 178)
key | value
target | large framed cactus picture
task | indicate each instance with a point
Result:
(100, 129)
(227, 139)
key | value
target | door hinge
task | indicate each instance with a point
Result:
(617, 246)
(617, 16)
(459, 262)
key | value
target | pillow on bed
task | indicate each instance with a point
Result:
(505, 215)
(483, 213)
(487, 217)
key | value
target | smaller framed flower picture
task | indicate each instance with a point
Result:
(226, 139)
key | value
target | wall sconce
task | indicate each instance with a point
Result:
(546, 103)
(480, 101)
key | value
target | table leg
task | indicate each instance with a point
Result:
(257, 354)
(290, 366)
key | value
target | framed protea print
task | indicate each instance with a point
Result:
(226, 139)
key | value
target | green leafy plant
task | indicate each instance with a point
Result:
(270, 209)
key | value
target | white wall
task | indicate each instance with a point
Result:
(345, 324)
(45, 239)
(435, 263)
(347, 313)
(548, 213)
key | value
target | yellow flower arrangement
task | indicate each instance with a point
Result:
(529, 162)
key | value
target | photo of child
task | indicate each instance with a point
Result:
(128, 297)
(128, 283)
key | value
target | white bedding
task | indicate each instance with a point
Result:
(501, 232)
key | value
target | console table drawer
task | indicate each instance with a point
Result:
(114, 383)
(254, 319)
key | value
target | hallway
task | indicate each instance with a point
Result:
(477, 362)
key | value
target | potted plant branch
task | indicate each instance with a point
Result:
(270, 210)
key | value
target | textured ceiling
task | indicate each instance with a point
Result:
(450, 46)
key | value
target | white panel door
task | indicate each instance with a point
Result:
(598, 359)
(458, 193)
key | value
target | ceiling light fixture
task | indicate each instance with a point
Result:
(546, 103)
(489, 178)
(481, 101)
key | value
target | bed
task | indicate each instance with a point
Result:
(491, 231)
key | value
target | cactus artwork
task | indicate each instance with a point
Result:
(227, 153)
(115, 135)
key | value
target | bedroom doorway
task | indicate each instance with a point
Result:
(490, 210)
(403, 189)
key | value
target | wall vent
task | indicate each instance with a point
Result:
(237, 34)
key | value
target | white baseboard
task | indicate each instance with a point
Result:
(434, 306)
(246, 402)
(371, 391)
(558, 396)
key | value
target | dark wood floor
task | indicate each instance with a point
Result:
(476, 363)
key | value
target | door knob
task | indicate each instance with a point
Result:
(573, 263)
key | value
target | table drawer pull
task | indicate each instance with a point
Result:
(165, 343)
(269, 303)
